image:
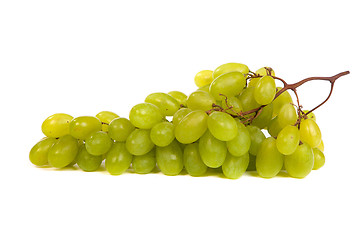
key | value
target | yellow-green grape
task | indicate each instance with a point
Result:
(252, 163)
(205, 88)
(229, 84)
(106, 117)
(86, 161)
(192, 160)
(139, 142)
(321, 146)
(264, 118)
(179, 96)
(162, 134)
(234, 167)
(233, 103)
(241, 143)
(191, 127)
(118, 159)
(282, 99)
(120, 129)
(257, 137)
(144, 163)
(63, 152)
(145, 115)
(319, 159)
(212, 150)
(82, 127)
(262, 72)
(56, 125)
(180, 114)
(247, 99)
(222, 126)
(170, 159)
(39, 152)
(200, 100)
(98, 143)
(167, 104)
(265, 90)
(274, 127)
(203, 78)
(230, 67)
(288, 140)
(310, 133)
(300, 163)
(287, 115)
(269, 161)
(310, 115)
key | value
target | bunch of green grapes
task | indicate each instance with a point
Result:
(222, 125)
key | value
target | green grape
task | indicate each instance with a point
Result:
(192, 160)
(162, 134)
(170, 158)
(179, 96)
(120, 129)
(234, 167)
(139, 142)
(179, 115)
(282, 99)
(212, 150)
(319, 159)
(257, 137)
(300, 163)
(264, 118)
(232, 102)
(262, 72)
(56, 125)
(269, 161)
(252, 163)
(82, 127)
(63, 152)
(166, 103)
(203, 78)
(230, 67)
(287, 115)
(310, 115)
(310, 133)
(98, 143)
(222, 126)
(274, 127)
(288, 140)
(265, 90)
(247, 99)
(321, 146)
(205, 88)
(145, 115)
(118, 159)
(144, 163)
(106, 117)
(86, 161)
(200, 100)
(39, 152)
(241, 143)
(229, 84)
(191, 127)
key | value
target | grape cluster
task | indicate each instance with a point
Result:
(221, 125)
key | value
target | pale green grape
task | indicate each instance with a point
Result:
(191, 127)
(234, 167)
(98, 143)
(118, 159)
(86, 161)
(170, 158)
(203, 78)
(179, 96)
(192, 160)
(139, 142)
(310, 133)
(145, 115)
(264, 118)
(56, 125)
(300, 163)
(39, 152)
(162, 134)
(230, 67)
(257, 137)
(280, 101)
(222, 126)
(252, 163)
(232, 102)
(321, 146)
(241, 143)
(319, 159)
(63, 152)
(288, 140)
(247, 99)
(274, 127)
(269, 161)
(200, 100)
(262, 72)
(106, 117)
(310, 115)
(229, 84)
(212, 150)
(120, 129)
(82, 127)
(264, 91)
(287, 115)
(179, 115)
(205, 88)
(144, 163)
(166, 103)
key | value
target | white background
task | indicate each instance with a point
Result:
(82, 57)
